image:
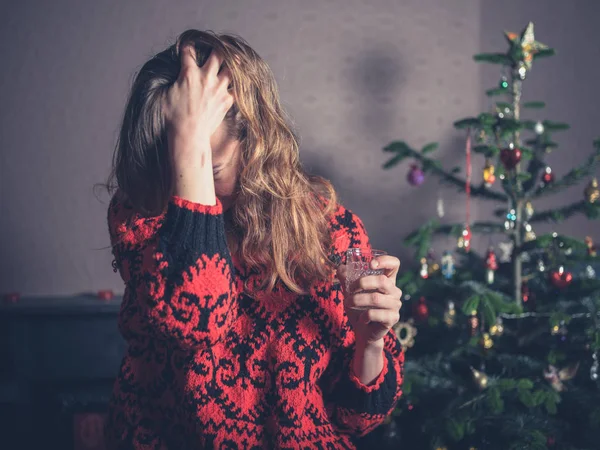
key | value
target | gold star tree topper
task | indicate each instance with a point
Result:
(523, 46)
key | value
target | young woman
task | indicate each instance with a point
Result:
(239, 334)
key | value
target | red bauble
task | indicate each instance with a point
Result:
(510, 157)
(561, 278)
(525, 292)
(548, 176)
(420, 310)
(550, 441)
(490, 260)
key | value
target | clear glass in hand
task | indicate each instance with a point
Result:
(358, 265)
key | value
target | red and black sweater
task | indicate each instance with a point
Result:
(208, 367)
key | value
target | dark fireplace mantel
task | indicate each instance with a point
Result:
(58, 359)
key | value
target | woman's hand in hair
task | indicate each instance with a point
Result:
(194, 108)
(197, 102)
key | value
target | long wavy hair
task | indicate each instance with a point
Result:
(278, 224)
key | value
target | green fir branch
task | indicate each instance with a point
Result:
(574, 176)
(493, 58)
(591, 211)
(402, 151)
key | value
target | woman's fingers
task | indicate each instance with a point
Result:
(373, 300)
(379, 283)
(386, 318)
(213, 64)
(225, 77)
(187, 54)
(389, 263)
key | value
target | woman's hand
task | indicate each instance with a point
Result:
(373, 303)
(197, 102)
(194, 107)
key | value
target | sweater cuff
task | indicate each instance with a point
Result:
(375, 384)
(190, 229)
(376, 398)
(214, 210)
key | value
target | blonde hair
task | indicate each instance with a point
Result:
(278, 224)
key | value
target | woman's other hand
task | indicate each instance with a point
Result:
(373, 303)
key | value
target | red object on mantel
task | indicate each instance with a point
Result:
(106, 295)
(88, 431)
(12, 297)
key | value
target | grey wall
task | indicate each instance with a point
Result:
(355, 75)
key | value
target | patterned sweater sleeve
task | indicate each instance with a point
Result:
(178, 273)
(356, 408)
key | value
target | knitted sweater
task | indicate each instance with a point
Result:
(208, 367)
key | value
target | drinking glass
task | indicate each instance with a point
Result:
(358, 265)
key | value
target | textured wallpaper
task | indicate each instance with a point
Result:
(353, 75)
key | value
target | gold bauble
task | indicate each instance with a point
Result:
(486, 341)
(480, 378)
(528, 211)
(498, 328)
(433, 268)
(592, 192)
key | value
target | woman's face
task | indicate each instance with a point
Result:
(226, 158)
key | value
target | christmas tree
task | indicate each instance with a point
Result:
(502, 351)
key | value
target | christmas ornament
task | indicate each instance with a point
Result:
(415, 176)
(525, 295)
(550, 441)
(594, 369)
(420, 310)
(405, 332)
(560, 330)
(522, 48)
(592, 192)
(547, 177)
(488, 174)
(473, 323)
(589, 272)
(539, 127)
(486, 341)
(434, 267)
(447, 265)
(528, 211)
(450, 314)
(440, 207)
(510, 157)
(556, 377)
(464, 240)
(541, 267)
(511, 218)
(480, 378)
(591, 248)
(506, 248)
(491, 265)
(529, 233)
(561, 278)
(503, 83)
(424, 272)
(498, 328)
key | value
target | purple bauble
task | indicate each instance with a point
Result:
(415, 176)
